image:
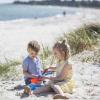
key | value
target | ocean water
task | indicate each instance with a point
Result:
(13, 12)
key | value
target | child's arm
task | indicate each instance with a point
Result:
(44, 77)
(29, 75)
(52, 68)
(63, 73)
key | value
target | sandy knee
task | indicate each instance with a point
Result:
(54, 86)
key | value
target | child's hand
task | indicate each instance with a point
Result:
(52, 78)
(43, 78)
(51, 68)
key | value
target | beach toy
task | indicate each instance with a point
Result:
(35, 80)
(38, 79)
(45, 71)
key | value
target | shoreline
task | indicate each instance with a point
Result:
(68, 11)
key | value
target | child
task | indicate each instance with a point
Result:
(31, 64)
(31, 67)
(63, 81)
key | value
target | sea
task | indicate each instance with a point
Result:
(13, 12)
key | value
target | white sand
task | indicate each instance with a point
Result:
(86, 75)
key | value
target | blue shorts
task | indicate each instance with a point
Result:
(34, 86)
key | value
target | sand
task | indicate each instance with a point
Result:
(15, 35)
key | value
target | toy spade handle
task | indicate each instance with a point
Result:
(46, 70)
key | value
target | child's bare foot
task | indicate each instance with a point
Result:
(26, 92)
(27, 89)
(59, 96)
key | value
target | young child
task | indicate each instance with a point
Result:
(31, 67)
(63, 82)
(31, 64)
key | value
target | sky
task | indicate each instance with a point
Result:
(9, 1)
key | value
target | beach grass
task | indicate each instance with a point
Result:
(8, 66)
(86, 37)
(44, 55)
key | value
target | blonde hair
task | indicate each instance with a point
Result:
(63, 47)
(34, 46)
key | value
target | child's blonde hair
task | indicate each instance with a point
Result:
(63, 47)
(34, 45)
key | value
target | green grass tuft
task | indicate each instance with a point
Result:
(6, 67)
(84, 38)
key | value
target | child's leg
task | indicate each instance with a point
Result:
(60, 93)
(42, 89)
(57, 89)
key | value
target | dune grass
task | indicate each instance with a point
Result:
(6, 67)
(46, 56)
(84, 38)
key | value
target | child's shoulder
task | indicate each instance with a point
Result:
(36, 59)
(26, 59)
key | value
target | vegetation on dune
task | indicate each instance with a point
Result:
(46, 56)
(8, 67)
(84, 38)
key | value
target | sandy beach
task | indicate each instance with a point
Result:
(86, 75)
(15, 35)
